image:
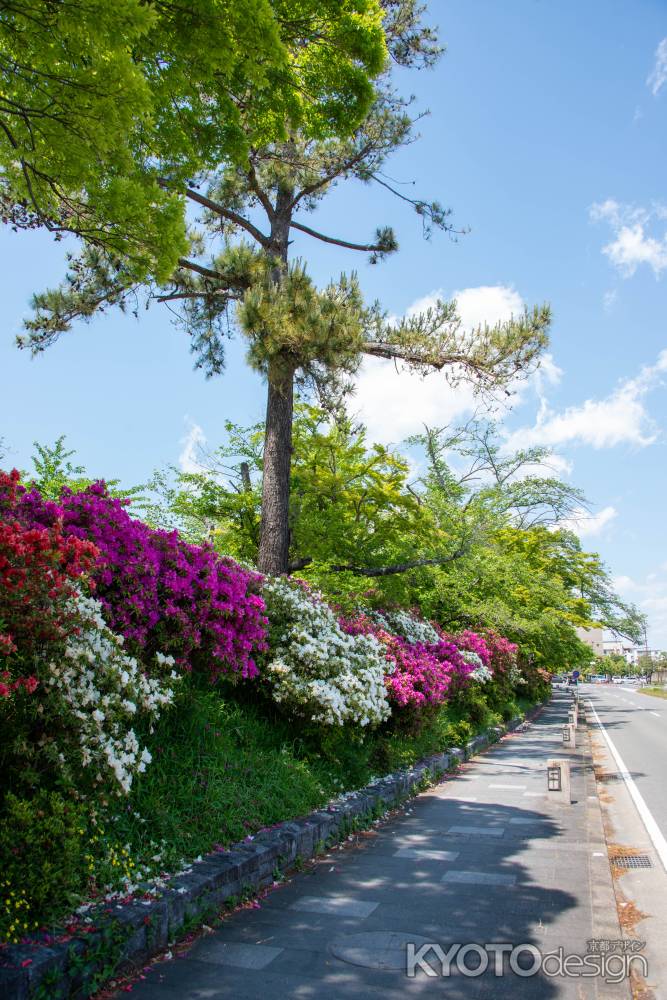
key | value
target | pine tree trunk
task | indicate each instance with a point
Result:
(274, 533)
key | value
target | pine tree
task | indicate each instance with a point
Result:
(297, 334)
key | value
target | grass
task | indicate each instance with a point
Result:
(223, 769)
(225, 765)
(656, 692)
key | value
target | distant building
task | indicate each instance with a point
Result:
(593, 637)
(622, 647)
(605, 643)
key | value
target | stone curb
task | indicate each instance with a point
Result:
(69, 968)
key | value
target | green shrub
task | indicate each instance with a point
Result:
(43, 846)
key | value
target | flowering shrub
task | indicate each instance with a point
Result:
(472, 642)
(96, 691)
(316, 668)
(481, 673)
(417, 674)
(155, 589)
(87, 693)
(503, 656)
(407, 626)
(212, 615)
(39, 567)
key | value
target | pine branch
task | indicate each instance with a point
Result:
(220, 293)
(342, 168)
(263, 198)
(381, 247)
(226, 213)
(206, 272)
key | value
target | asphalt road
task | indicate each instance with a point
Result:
(636, 724)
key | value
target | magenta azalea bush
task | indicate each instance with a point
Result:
(165, 595)
(158, 591)
(503, 653)
(418, 673)
(472, 642)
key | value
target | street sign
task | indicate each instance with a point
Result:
(575, 673)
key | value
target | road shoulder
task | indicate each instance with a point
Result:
(639, 893)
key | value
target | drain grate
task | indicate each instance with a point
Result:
(632, 861)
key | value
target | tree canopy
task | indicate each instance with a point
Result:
(238, 275)
(101, 102)
(471, 547)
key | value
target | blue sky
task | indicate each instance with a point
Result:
(547, 138)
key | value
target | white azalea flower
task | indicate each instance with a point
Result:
(98, 672)
(318, 669)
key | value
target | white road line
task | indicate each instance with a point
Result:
(657, 714)
(652, 827)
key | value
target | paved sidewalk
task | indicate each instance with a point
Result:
(484, 857)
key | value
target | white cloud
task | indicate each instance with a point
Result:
(396, 403)
(658, 75)
(487, 304)
(609, 300)
(191, 443)
(587, 525)
(559, 464)
(620, 418)
(547, 374)
(632, 245)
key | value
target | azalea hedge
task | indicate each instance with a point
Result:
(112, 633)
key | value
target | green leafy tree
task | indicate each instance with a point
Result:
(506, 564)
(239, 275)
(649, 663)
(350, 502)
(101, 102)
(487, 487)
(616, 665)
(53, 470)
(499, 584)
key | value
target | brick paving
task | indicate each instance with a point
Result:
(485, 857)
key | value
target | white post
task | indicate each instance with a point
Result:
(558, 781)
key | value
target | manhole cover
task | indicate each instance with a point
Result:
(376, 949)
(632, 861)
